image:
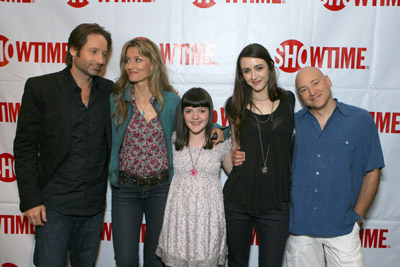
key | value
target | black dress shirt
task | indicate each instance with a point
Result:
(78, 185)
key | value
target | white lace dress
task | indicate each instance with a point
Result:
(193, 231)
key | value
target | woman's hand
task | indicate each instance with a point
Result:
(238, 156)
(219, 135)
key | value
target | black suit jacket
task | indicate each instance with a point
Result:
(43, 136)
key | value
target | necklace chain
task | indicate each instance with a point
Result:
(271, 116)
(264, 168)
(265, 99)
(143, 109)
(193, 171)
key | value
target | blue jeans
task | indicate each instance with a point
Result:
(80, 235)
(272, 232)
(129, 202)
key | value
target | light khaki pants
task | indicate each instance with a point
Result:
(340, 251)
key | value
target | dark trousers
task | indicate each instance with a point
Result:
(129, 202)
(272, 232)
(80, 235)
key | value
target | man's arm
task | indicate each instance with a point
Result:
(368, 191)
(26, 148)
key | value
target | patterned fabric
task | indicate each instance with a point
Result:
(143, 150)
(194, 232)
(166, 115)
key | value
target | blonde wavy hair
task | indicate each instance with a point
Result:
(157, 81)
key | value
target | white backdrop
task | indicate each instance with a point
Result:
(355, 42)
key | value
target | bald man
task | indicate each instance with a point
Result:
(336, 167)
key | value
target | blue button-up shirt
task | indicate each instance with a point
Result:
(328, 169)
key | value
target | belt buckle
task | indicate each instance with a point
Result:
(144, 181)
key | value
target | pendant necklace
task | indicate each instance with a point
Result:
(193, 171)
(265, 99)
(143, 109)
(264, 168)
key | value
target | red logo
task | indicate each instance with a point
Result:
(204, 3)
(374, 238)
(210, 3)
(8, 265)
(387, 122)
(7, 173)
(188, 54)
(43, 52)
(78, 3)
(257, 1)
(292, 55)
(335, 5)
(9, 111)
(6, 51)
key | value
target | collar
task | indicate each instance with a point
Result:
(133, 98)
(72, 85)
(339, 106)
(129, 96)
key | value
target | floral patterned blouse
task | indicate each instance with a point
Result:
(143, 150)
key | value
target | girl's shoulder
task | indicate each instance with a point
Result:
(223, 147)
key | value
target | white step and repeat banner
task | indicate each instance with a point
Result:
(355, 42)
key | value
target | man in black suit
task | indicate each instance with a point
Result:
(61, 151)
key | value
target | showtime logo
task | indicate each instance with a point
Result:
(188, 54)
(292, 55)
(15, 225)
(374, 238)
(387, 122)
(6, 51)
(204, 3)
(9, 111)
(336, 5)
(7, 264)
(38, 52)
(78, 3)
(210, 3)
(7, 173)
(83, 3)
(224, 118)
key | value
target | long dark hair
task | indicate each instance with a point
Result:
(242, 92)
(194, 97)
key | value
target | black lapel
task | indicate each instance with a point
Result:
(63, 103)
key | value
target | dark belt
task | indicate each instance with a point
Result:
(142, 181)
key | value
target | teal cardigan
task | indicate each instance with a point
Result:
(167, 118)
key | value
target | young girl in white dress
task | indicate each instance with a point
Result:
(193, 231)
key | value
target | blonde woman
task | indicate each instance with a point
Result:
(143, 111)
